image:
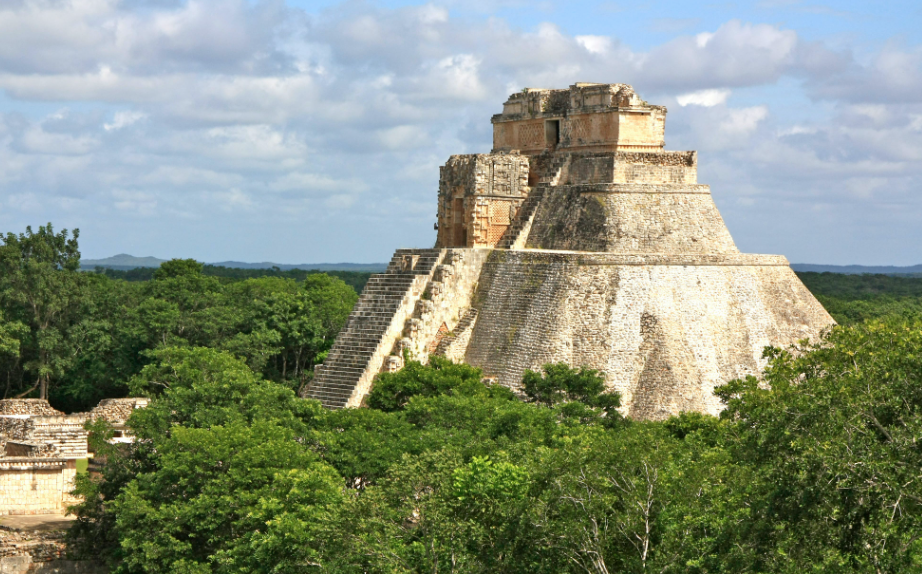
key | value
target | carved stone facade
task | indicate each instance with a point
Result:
(585, 117)
(615, 258)
(479, 195)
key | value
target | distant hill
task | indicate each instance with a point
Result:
(124, 262)
(370, 267)
(121, 261)
(858, 269)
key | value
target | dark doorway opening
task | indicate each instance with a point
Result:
(552, 133)
(458, 232)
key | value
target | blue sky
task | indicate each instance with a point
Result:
(313, 131)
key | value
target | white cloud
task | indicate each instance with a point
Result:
(123, 119)
(135, 202)
(595, 44)
(743, 120)
(37, 140)
(702, 39)
(706, 98)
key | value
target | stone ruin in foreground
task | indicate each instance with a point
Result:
(578, 239)
(39, 452)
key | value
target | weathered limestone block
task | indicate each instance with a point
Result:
(664, 167)
(583, 117)
(117, 411)
(629, 218)
(25, 551)
(31, 485)
(39, 447)
(663, 334)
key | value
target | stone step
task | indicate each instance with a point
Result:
(370, 320)
(351, 357)
(353, 354)
(333, 397)
(365, 328)
(342, 393)
(367, 321)
(333, 387)
(344, 370)
(357, 360)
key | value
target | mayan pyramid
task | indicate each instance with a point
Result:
(578, 239)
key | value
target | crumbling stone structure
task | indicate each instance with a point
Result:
(578, 239)
(40, 448)
(479, 196)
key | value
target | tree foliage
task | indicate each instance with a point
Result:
(86, 335)
(40, 284)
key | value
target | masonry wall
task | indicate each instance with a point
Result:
(642, 130)
(664, 167)
(34, 486)
(30, 552)
(628, 218)
(448, 296)
(665, 332)
(27, 407)
(65, 433)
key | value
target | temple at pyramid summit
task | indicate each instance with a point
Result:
(580, 239)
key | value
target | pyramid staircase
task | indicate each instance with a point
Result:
(466, 323)
(375, 324)
(514, 237)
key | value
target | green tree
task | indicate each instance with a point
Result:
(39, 279)
(215, 436)
(576, 389)
(108, 340)
(441, 376)
(10, 332)
(235, 498)
(830, 441)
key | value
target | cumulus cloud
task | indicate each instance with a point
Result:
(706, 98)
(241, 115)
(123, 119)
(595, 44)
(744, 120)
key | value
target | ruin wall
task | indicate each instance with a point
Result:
(479, 195)
(40, 552)
(39, 407)
(35, 485)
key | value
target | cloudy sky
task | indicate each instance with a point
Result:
(313, 131)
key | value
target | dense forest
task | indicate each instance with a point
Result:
(855, 298)
(76, 338)
(355, 279)
(815, 467)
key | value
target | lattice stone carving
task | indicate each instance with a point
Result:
(579, 130)
(530, 135)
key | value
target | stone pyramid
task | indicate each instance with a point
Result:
(578, 239)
